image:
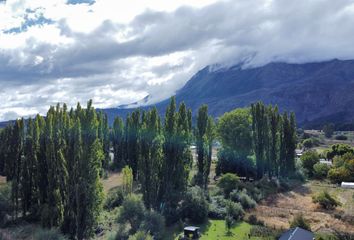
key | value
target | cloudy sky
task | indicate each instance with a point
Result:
(116, 52)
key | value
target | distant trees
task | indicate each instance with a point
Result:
(308, 160)
(328, 130)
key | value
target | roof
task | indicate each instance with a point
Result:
(297, 234)
(351, 184)
(191, 228)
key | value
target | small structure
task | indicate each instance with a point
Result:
(347, 185)
(297, 234)
(191, 232)
(328, 162)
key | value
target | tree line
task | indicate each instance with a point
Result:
(257, 141)
(55, 163)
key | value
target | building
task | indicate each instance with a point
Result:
(297, 234)
(347, 185)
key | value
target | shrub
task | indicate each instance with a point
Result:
(5, 203)
(140, 235)
(320, 170)
(253, 220)
(338, 175)
(195, 205)
(325, 200)
(132, 211)
(228, 182)
(234, 210)
(48, 234)
(229, 221)
(114, 198)
(242, 197)
(309, 159)
(300, 221)
(341, 137)
(217, 207)
(154, 223)
(262, 232)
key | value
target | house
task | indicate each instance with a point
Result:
(347, 185)
(297, 234)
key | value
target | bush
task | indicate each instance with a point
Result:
(341, 137)
(195, 205)
(5, 204)
(262, 232)
(300, 221)
(228, 182)
(309, 159)
(140, 235)
(253, 220)
(114, 198)
(217, 207)
(48, 234)
(325, 200)
(154, 223)
(338, 175)
(320, 170)
(234, 210)
(132, 211)
(241, 196)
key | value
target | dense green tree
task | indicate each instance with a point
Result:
(118, 142)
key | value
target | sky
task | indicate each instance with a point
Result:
(116, 52)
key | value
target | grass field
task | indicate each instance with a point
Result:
(215, 230)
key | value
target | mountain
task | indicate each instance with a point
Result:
(317, 92)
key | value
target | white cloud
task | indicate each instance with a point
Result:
(117, 52)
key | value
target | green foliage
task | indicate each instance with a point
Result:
(132, 211)
(309, 159)
(325, 200)
(5, 203)
(310, 143)
(241, 196)
(328, 130)
(217, 207)
(115, 198)
(230, 162)
(300, 221)
(154, 223)
(48, 234)
(234, 130)
(341, 137)
(343, 168)
(127, 180)
(229, 221)
(228, 182)
(204, 139)
(141, 235)
(339, 150)
(234, 210)
(195, 205)
(320, 170)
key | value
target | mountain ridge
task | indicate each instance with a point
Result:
(317, 92)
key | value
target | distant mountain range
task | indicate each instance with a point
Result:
(317, 92)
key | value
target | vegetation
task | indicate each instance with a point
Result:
(325, 200)
(308, 160)
(54, 165)
(300, 221)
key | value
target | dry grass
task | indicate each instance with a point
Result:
(278, 210)
(114, 179)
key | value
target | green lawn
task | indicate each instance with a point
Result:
(215, 230)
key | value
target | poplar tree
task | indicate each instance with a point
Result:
(118, 142)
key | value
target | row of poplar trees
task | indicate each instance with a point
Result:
(160, 155)
(54, 165)
(274, 140)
